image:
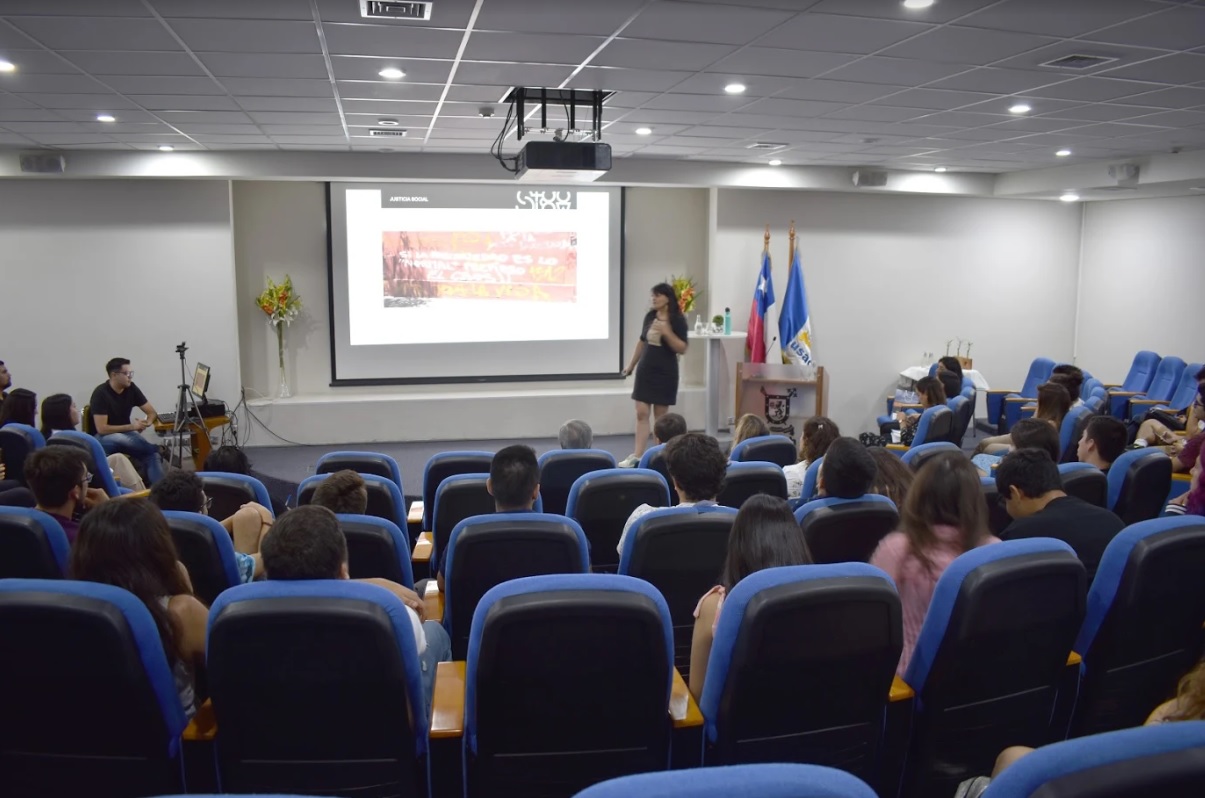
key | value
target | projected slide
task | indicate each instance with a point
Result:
(474, 281)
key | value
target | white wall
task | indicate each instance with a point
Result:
(891, 277)
(1143, 276)
(91, 270)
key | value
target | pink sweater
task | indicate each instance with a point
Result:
(914, 581)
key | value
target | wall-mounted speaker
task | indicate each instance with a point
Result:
(868, 178)
(43, 164)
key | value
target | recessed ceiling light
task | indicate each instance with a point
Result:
(915, 5)
(1019, 108)
(106, 118)
(644, 131)
(392, 73)
(735, 88)
(775, 162)
(939, 169)
(7, 66)
(1070, 196)
(387, 122)
(1063, 153)
(166, 148)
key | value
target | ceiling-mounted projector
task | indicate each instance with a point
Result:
(563, 161)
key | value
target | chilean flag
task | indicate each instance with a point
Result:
(763, 299)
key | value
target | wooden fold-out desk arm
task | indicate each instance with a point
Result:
(1149, 402)
(1074, 659)
(434, 601)
(138, 494)
(447, 705)
(422, 548)
(1123, 393)
(908, 406)
(897, 447)
(1015, 399)
(1002, 390)
(1182, 477)
(203, 727)
(682, 707)
(415, 515)
(900, 691)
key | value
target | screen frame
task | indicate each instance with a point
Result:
(196, 372)
(336, 382)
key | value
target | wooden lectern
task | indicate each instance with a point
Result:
(784, 394)
(198, 434)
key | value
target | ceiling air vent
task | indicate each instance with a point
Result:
(1079, 61)
(765, 145)
(377, 132)
(390, 9)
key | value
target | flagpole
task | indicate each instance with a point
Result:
(766, 248)
(791, 234)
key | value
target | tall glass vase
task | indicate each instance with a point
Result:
(282, 390)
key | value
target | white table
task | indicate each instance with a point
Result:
(914, 373)
(713, 363)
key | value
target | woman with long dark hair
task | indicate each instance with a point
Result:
(663, 337)
(127, 544)
(19, 407)
(764, 535)
(60, 413)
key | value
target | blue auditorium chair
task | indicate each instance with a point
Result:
(316, 687)
(602, 501)
(205, 548)
(963, 409)
(89, 703)
(17, 442)
(1143, 627)
(560, 468)
(846, 530)
(777, 449)
(1163, 385)
(449, 464)
(94, 457)
(32, 545)
(654, 458)
(1039, 372)
(1161, 760)
(1071, 430)
(917, 455)
(681, 552)
(747, 479)
(362, 463)
(998, 518)
(738, 781)
(376, 549)
(1139, 482)
(1138, 379)
(385, 498)
(990, 657)
(229, 492)
(777, 693)
(459, 497)
(487, 550)
(935, 424)
(1181, 398)
(1085, 481)
(567, 683)
(810, 478)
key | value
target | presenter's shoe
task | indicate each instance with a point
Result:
(631, 461)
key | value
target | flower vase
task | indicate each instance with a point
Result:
(282, 390)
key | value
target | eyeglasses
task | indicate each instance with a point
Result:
(87, 479)
(126, 373)
(205, 507)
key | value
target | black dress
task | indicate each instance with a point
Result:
(657, 371)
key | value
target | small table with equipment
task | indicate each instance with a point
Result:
(198, 432)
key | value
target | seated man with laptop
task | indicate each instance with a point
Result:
(112, 403)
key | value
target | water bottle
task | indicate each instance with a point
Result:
(727, 321)
(698, 324)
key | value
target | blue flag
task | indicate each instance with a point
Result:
(794, 321)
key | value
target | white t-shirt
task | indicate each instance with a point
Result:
(641, 512)
(420, 638)
(795, 474)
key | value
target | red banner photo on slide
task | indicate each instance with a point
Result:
(532, 266)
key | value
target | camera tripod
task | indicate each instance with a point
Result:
(187, 413)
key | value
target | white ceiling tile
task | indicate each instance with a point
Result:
(1035, 125)
(1172, 119)
(190, 102)
(385, 107)
(71, 138)
(1033, 60)
(221, 130)
(754, 61)
(70, 8)
(933, 99)
(714, 83)
(53, 84)
(34, 62)
(1181, 68)
(723, 131)
(284, 118)
(370, 90)
(692, 22)
(837, 91)
(684, 118)
(647, 54)
(408, 118)
(875, 113)
(836, 33)
(325, 131)
(229, 138)
(627, 99)
(613, 79)
(278, 87)
(998, 81)
(294, 139)
(718, 103)
(960, 119)
(545, 48)
(260, 9)
(1092, 89)
(944, 11)
(483, 95)
(329, 147)
(43, 127)
(247, 36)
(957, 45)
(308, 104)
(240, 146)
(417, 70)
(265, 65)
(186, 118)
(1115, 130)
(84, 33)
(1170, 98)
(125, 118)
(106, 62)
(1062, 18)
(146, 84)
(482, 73)
(548, 16)
(1174, 29)
(1101, 112)
(392, 41)
(895, 71)
(28, 115)
(98, 102)
(418, 92)
(776, 106)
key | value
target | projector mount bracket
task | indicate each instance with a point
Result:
(569, 99)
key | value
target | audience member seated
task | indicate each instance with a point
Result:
(233, 460)
(1103, 442)
(696, 467)
(184, 492)
(514, 482)
(575, 434)
(932, 394)
(1074, 384)
(818, 433)
(1028, 433)
(892, 477)
(668, 427)
(306, 543)
(1160, 426)
(6, 381)
(848, 471)
(1192, 502)
(949, 374)
(19, 407)
(944, 516)
(1054, 402)
(1029, 484)
(764, 535)
(58, 477)
(60, 413)
(128, 544)
(112, 402)
(747, 426)
(343, 492)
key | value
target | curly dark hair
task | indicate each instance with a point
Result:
(697, 465)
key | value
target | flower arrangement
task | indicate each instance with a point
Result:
(281, 304)
(687, 292)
